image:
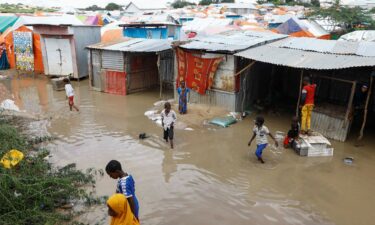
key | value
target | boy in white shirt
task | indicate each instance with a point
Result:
(261, 132)
(70, 94)
(168, 118)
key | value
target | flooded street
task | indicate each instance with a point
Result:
(209, 178)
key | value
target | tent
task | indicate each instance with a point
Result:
(94, 20)
(6, 22)
(38, 57)
(112, 35)
(302, 28)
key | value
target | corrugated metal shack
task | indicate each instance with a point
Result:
(225, 88)
(64, 48)
(339, 69)
(130, 65)
(165, 30)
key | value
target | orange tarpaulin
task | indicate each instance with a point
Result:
(112, 35)
(38, 57)
(197, 72)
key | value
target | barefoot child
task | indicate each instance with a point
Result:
(125, 184)
(260, 132)
(168, 118)
(70, 94)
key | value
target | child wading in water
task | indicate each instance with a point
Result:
(70, 94)
(125, 184)
(168, 118)
(260, 132)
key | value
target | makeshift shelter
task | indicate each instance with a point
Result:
(94, 20)
(131, 65)
(205, 27)
(302, 28)
(48, 20)
(63, 48)
(337, 67)
(152, 30)
(112, 35)
(6, 22)
(210, 69)
(38, 66)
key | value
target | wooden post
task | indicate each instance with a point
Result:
(244, 83)
(350, 104)
(366, 109)
(299, 94)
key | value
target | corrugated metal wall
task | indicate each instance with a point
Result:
(113, 60)
(166, 69)
(96, 70)
(330, 127)
(149, 33)
(143, 72)
(115, 82)
(84, 36)
(222, 99)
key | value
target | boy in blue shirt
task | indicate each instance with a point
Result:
(125, 184)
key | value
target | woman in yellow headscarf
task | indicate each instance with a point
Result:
(119, 209)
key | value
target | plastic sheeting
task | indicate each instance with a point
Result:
(302, 28)
(6, 22)
(38, 57)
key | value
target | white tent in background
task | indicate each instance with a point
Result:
(359, 35)
(205, 26)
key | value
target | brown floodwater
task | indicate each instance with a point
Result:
(212, 176)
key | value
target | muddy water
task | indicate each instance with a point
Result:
(210, 177)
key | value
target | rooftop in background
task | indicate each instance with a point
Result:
(135, 45)
(148, 24)
(47, 20)
(232, 41)
(236, 5)
(309, 53)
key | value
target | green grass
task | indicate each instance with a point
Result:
(32, 192)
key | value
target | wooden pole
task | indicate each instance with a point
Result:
(350, 104)
(244, 83)
(366, 110)
(299, 94)
(160, 77)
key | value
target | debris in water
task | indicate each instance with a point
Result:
(348, 160)
(9, 105)
(159, 103)
(224, 121)
(189, 129)
(142, 136)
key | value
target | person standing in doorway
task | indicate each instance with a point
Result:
(70, 94)
(183, 93)
(307, 104)
(168, 118)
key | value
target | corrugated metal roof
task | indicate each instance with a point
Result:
(135, 45)
(232, 41)
(305, 59)
(330, 46)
